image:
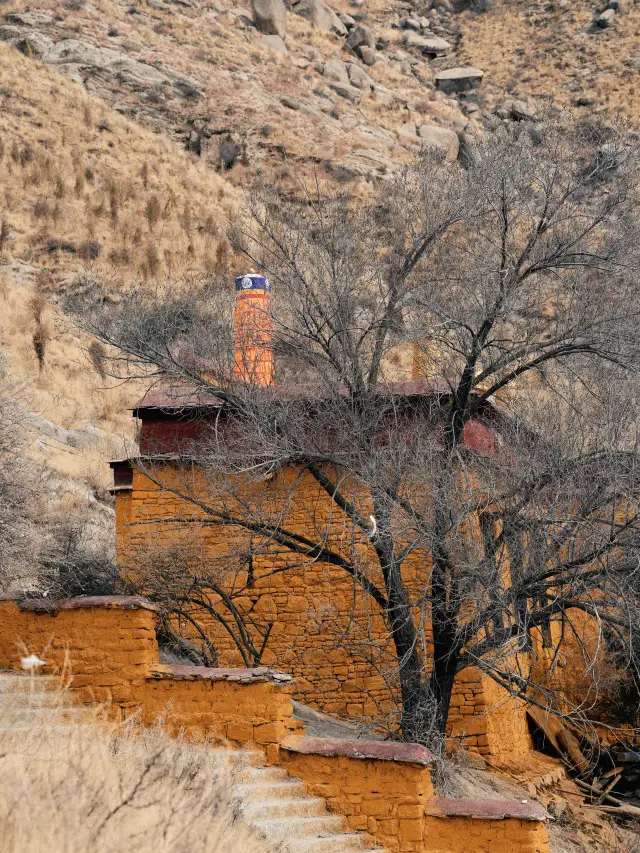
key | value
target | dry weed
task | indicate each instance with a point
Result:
(73, 782)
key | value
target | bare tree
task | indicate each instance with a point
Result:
(486, 512)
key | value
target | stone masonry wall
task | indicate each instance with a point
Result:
(381, 788)
(385, 789)
(467, 834)
(106, 649)
(484, 718)
(320, 616)
(241, 706)
(107, 645)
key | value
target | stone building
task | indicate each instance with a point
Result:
(318, 618)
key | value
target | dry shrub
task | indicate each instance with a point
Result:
(85, 785)
(41, 338)
(37, 304)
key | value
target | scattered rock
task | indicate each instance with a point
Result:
(384, 95)
(291, 103)
(347, 20)
(270, 16)
(431, 46)
(359, 78)
(274, 43)
(361, 36)
(606, 19)
(441, 139)
(320, 15)
(367, 55)
(336, 71)
(35, 44)
(458, 79)
(522, 111)
(30, 19)
(346, 90)
(408, 129)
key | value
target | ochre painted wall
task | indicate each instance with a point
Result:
(485, 718)
(384, 798)
(321, 618)
(108, 650)
(107, 647)
(470, 835)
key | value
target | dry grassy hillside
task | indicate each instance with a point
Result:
(556, 51)
(84, 189)
(201, 73)
(130, 130)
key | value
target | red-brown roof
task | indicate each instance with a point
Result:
(177, 397)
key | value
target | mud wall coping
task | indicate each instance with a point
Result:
(239, 675)
(406, 753)
(485, 809)
(114, 602)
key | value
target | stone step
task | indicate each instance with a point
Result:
(267, 775)
(344, 842)
(287, 829)
(23, 683)
(45, 699)
(253, 792)
(45, 714)
(23, 730)
(241, 758)
(294, 808)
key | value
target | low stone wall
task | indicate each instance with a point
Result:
(108, 647)
(107, 644)
(380, 787)
(483, 717)
(242, 706)
(385, 789)
(484, 826)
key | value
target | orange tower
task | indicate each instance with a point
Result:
(253, 357)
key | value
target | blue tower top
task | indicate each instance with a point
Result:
(252, 282)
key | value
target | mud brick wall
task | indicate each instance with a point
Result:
(485, 718)
(106, 648)
(380, 787)
(247, 707)
(106, 644)
(484, 826)
(313, 604)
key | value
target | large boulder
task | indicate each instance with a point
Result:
(367, 55)
(35, 44)
(361, 36)
(441, 139)
(606, 19)
(321, 16)
(336, 71)
(270, 17)
(359, 78)
(273, 43)
(458, 79)
(429, 45)
(346, 90)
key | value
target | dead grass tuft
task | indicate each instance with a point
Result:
(81, 784)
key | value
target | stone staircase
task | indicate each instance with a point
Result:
(276, 805)
(280, 808)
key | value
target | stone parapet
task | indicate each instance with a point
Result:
(380, 787)
(247, 707)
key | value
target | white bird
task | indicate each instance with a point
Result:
(31, 662)
(375, 527)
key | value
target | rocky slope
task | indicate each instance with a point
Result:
(130, 129)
